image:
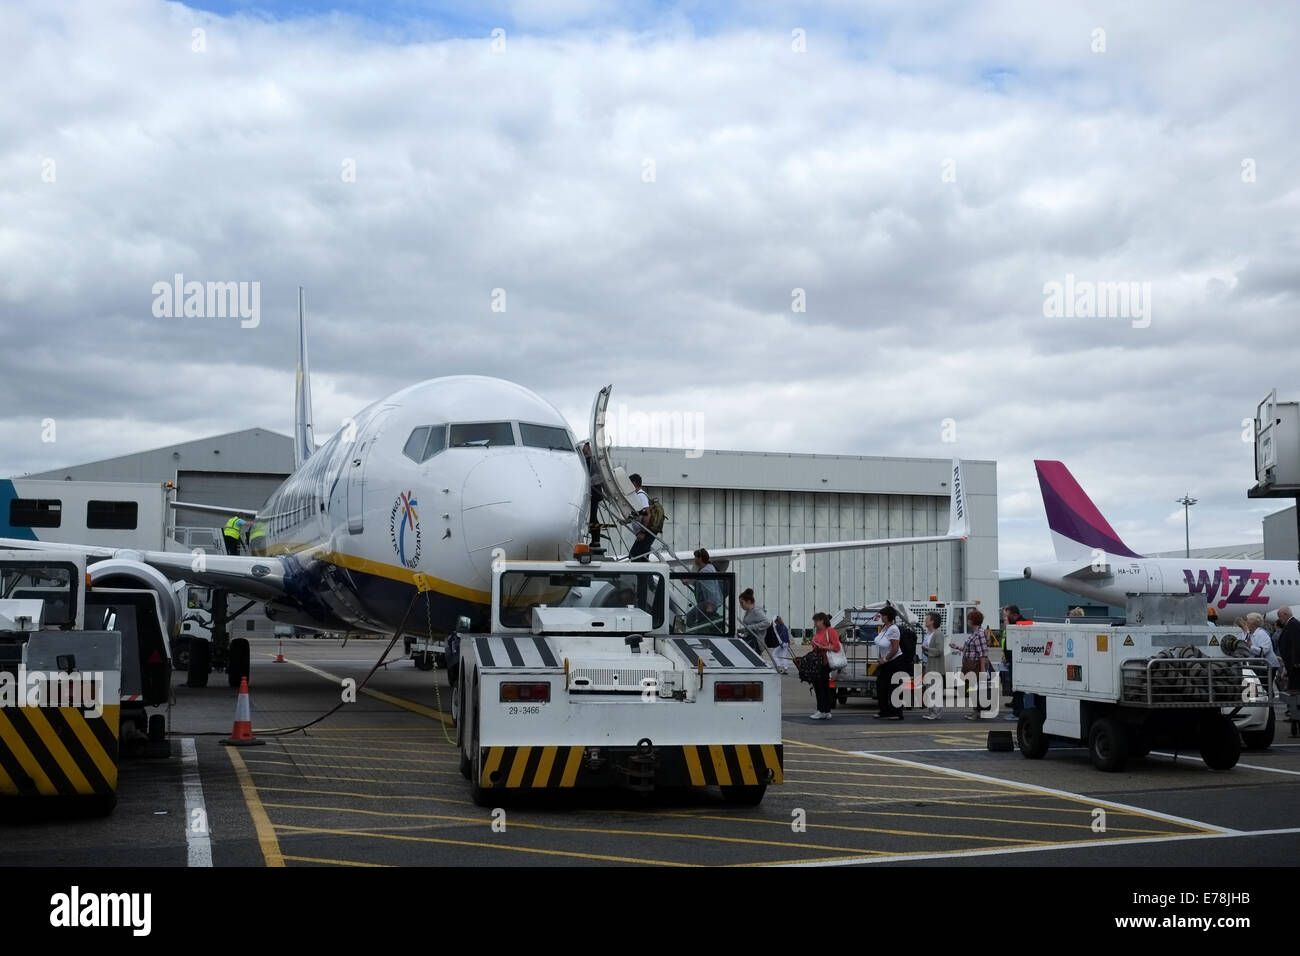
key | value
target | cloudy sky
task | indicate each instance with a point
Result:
(827, 228)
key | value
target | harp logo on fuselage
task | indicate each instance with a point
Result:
(404, 529)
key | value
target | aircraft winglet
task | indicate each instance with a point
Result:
(958, 512)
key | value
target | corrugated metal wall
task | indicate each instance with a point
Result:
(715, 518)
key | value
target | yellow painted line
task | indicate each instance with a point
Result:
(862, 773)
(720, 765)
(516, 775)
(332, 758)
(1025, 806)
(402, 702)
(1022, 788)
(773, 763)
(310, 776)
(889, 786)
(106, 764)
(693, 766)
(1081, 825)
(574, 762)
(543, 776)
(272, 763)
(363, 796)
(405, 575)
(872, 798)
(341, 747)
(490, 846)
(58, 750)
(313, 859)
(747, 773)
(514, 824)
(19, 749)
(261, 822)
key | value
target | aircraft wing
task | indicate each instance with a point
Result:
(214, 509)
(821, 547)
(616, 483)
(260, 578)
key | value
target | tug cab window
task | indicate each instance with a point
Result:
(482, 434)
(545, 436)
(425, 442)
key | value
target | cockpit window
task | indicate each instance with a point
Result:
(425, 442)
(480, 434)
(545, 436)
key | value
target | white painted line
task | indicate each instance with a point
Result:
(196, 811)
(1184, 821)
(1248, 766)
(955, 750)
(904, 857)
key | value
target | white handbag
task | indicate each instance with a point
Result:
(837, 660)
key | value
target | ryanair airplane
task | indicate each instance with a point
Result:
(419, 493)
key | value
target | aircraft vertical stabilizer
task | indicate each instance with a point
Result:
(1078, 528)
(304, 438)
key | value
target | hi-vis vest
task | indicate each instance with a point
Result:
(232, 531)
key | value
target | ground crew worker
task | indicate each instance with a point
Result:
(231, 534)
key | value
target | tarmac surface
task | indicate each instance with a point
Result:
(377, 784)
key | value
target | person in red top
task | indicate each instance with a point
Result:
(826, 639)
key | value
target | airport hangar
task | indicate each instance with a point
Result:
(713, 499)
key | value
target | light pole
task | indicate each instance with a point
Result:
(1186, 501)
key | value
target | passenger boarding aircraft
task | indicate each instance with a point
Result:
(1093, 562)
(424, 488)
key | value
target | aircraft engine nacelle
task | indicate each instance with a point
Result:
(127, 573)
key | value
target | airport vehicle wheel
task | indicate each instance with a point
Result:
(1260, 739)
(1220, 743)
(742, 796)
(842, 696)
(200, 664)
(1030, 738)
(424, 662)
(157, 728)
(238, 665)
(482, 796)
(1108, 744)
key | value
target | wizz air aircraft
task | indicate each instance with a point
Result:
(419, 492)
(1092, 561)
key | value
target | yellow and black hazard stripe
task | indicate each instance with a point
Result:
(733, 765)
(697, 766)
(49, 751)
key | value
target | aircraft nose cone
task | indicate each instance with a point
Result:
(526, 503)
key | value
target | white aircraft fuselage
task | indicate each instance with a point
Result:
(369, 511)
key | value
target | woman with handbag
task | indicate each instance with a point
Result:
(974, 658)
(826, 641)
(889, 654)
(755, 626)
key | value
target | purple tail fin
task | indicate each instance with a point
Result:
(1078, 528)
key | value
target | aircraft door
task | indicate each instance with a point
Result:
(355, 470)
(1155, 580)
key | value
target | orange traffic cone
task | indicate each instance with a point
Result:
(279, 658)
(242, 733)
